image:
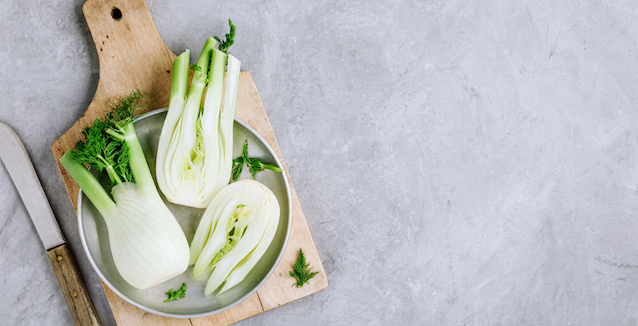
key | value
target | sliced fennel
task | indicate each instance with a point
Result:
(195, 147)
(234, 233)
(147, 243)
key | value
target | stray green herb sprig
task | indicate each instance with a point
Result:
(302, 271)
(176, 295)
(254, 165)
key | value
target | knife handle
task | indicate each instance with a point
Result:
(75, 292)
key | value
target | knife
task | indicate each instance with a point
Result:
(16, 160)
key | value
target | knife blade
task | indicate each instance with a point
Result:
(17, 162)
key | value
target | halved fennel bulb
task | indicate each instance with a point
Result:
(234, 233)
(194, 155)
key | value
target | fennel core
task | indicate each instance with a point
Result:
(235, 227)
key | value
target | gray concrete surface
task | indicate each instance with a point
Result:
(459, 162)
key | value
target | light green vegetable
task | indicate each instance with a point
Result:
(194, 153)
(147, 243)
(234, 233)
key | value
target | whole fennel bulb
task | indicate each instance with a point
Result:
(147, 244)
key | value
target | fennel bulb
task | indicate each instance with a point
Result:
(195, 147)
(147, 243)
(234, 233)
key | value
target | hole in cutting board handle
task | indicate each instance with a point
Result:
(116, 13)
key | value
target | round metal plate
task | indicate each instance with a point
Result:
(95, 240)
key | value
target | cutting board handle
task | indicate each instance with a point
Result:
(131, 53)
(132, 56)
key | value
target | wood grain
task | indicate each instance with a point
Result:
(73, 287)
(133, 56)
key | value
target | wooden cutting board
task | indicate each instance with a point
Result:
(133, 56)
